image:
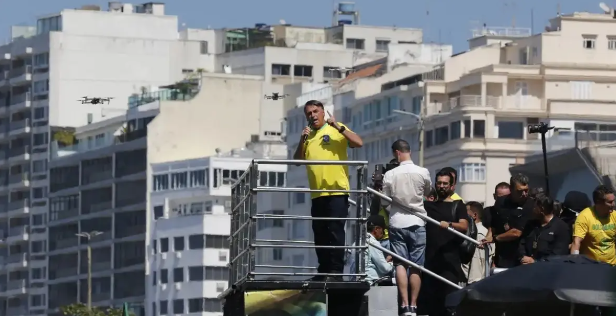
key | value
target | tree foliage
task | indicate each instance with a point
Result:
(80, 309)
(64, 137)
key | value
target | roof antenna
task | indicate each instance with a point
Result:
(558, 9)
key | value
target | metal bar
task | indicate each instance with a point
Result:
(307, 274)
(308, 162)
(284, 267)
(252, 228)
(308, 218)
(286, 241)
(241, 178)
(422, 216)
(352, 202)
(310, 246)
(237, 231)
(239, 255)
(240, 203)
(414, 265)
(303, 190)
(486, 249)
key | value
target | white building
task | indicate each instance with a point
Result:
(44, 71)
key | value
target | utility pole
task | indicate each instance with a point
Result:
(89, 236)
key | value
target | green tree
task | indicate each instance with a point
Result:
(80, 309)
(64, 137)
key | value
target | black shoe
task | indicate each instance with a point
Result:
(407, 311)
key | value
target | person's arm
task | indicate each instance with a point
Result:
(375, 205)
(354, 140)
(381, 265)
(387, 181)
(461, 223)
(580, 229)
(517, 223)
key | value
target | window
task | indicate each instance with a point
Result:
(429, 139)
(472, 172)
(39, 193)
(164, 276)
(331, 72)
(198, 178)
(154, 278)
(416, 105)
(179, 180)
(611, 42)
(382, 45)
(178, 243)
(510, 130)
(160, 182)
(455, 130)
(40, 86)
(216, 273)
(208, 305)
(164, 245)
(300, 198)
(299, 230)
(196, 273)
(277, 252)
(41, 60)
(203, 47)
(162, 306)
(178, 307)
(40, 139)
(196, 241)
(40, 113)
(581, 90)
(589, 41)
(158, 212)
(216, 242)
(39, 166)
(467, 128)
(441, 135)
(178, 275)
(281, 70)
(479, 128)
(37, 300)
(302, 71)
(355, 43)
(523, 52)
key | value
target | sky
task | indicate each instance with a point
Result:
(443, 21)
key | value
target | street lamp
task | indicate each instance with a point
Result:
(420, 120)
(89, 236)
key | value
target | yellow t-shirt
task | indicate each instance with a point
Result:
(456, 197)
(385, 215)
(597, 235)
(327, 143)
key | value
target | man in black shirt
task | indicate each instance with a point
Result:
(501, 189)
(509, 216)
(545, 235)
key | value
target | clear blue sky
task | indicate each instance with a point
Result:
(447, 21)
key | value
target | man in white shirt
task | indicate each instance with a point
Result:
(407, 185)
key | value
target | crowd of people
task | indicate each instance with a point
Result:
(523, 226)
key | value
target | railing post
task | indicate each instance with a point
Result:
(252, 227)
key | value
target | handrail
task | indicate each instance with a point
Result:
(413, 264)
(353, 163)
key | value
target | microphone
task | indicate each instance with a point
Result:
(311, 125)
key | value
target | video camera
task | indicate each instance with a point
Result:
(380, 170)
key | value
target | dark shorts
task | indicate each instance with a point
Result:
(409, 243)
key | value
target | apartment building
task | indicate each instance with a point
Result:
(44, 71)
(190, 225)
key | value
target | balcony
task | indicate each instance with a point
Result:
(95, 176)
(16, 261)
(19, 127)
(19, 233)
(502, 32)
(97, 266)
(17, 311)
(19, 180)
(63, 243)
(163, 95)
(19, 207)
(4, 78)
(4, 105)
(21, 75)
(97, 207)
(473, 101)
(19, 154)
(63, 272)
(21, 102)
(57, 152)
(14, 288)
(60, 215)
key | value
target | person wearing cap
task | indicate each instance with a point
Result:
(377, 266)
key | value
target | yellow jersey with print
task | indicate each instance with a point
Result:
(456, 197)
(327, 143)
(597, 235)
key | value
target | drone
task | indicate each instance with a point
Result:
(95, 100)
(275, 96)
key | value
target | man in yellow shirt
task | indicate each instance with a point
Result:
(327, 140)
(595, 228)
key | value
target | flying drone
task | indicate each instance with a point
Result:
(95, 100)
(275, 96)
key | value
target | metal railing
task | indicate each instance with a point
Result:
(244, 217)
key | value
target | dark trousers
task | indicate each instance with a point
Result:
(330, 232)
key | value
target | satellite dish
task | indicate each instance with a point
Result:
(605, 8)
(290, 42)
(282, 21)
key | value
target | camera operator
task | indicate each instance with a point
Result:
(375, 206)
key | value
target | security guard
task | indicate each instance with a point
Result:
(547, 235)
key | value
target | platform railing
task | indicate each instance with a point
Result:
(244, 217)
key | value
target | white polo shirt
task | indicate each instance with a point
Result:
(407, 184)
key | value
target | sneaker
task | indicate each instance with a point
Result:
(407, 311)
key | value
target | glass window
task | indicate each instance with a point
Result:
(164, 276)
(382, 45)
(455, 130)
(178, 275)
(196, 273)
(216, 273)
(178, 243)
(441, 135)
(162, 306)
(197, 178)
(277, 254)
(429, 139)
(511, 130)
(467, 128)
(179, 180)
(164, 245)
(160, 182)
(196, 241)
(178, 307)
(217, 242)
(479, 129)
(158, 212)
(472, 172)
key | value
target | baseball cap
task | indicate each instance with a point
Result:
(377, 221)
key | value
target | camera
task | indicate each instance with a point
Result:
(539, 128)
(380, 170)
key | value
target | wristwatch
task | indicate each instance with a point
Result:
(342, 129)
(450, 225)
